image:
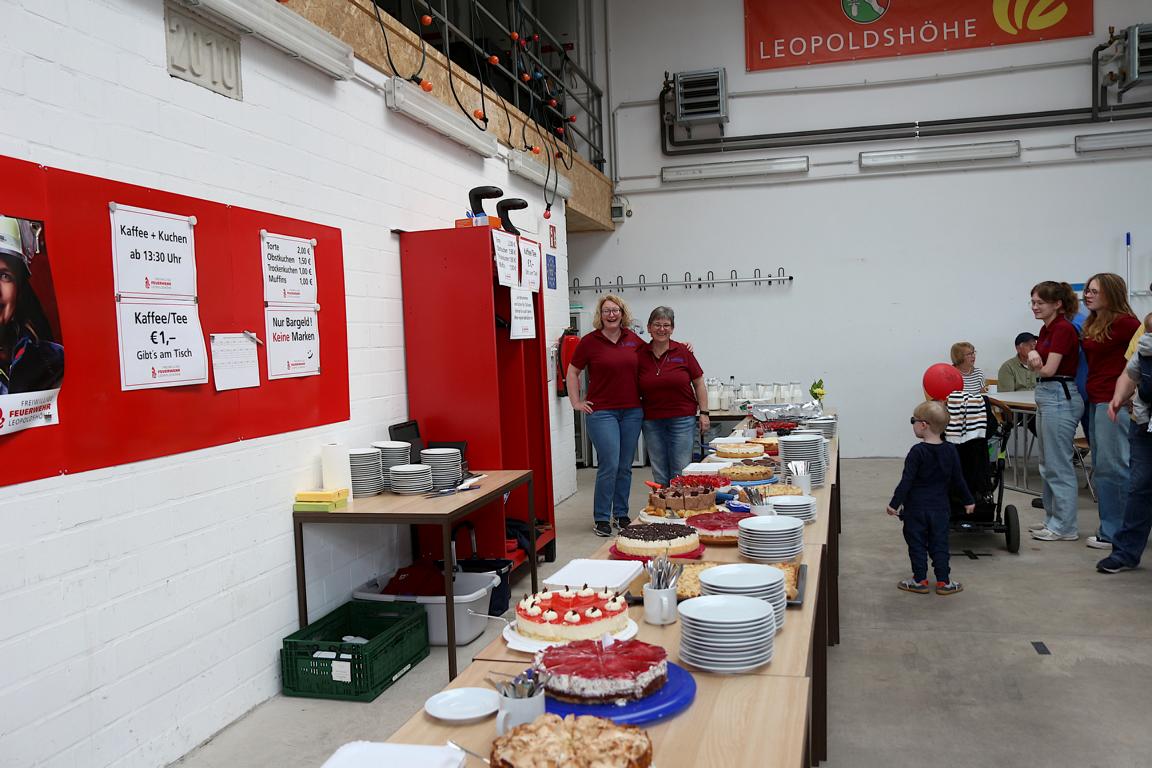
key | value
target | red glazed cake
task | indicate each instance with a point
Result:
(570, 614)
(587, 672)
(718, 527)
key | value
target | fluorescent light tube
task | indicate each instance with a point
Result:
(413, 103)
(519, 164)
(741, 169)
(952, 153)
(1102, 142)
(284, 29)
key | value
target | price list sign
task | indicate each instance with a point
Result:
(161, 344)
(289, 269)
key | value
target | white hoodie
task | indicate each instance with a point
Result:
(1140, 408)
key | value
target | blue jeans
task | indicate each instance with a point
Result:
(1058, 417)
(926, 532)
(1129, 542)
(1110, 467)
(670, 443)
(614, 435)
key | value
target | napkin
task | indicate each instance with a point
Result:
(371, 754)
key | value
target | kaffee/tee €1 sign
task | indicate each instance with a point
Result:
(779, 34)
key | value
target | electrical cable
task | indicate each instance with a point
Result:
(415, 76)
(481, 123)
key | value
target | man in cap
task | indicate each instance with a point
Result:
(1015, 375)
(30, 360)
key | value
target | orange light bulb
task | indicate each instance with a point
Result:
(535, 150)
(479, 114)
(426, 86)
(493, 60)
(426, 20)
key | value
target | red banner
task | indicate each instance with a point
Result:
(794, 34)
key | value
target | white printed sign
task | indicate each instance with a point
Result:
(529, 264)
(523, 315)
(153, 253)
(27, 410)
(289, 269)
(234, 361)
(507, 258)
(292, 338)
(161, 344)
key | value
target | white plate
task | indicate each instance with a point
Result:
(770, 525)
(725, 668)
(462, 705)
(614, 575)
(743, 576)
(724, 610)
(519, 642)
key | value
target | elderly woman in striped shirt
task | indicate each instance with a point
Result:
(964, 360)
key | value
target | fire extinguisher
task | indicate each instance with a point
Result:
(565, 348)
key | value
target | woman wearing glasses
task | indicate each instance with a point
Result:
(1058, 406)
(1110, 325)
(674, 397)
(613, 406)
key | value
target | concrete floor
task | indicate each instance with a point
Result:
(916, 679)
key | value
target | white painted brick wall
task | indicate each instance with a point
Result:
(143, 606)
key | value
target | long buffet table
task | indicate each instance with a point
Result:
(774, 716)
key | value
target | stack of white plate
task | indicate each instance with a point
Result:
(393, 453)
(411, 479)
(773, 538)
(446, 466)
(805, 447)
(826, 424)
(762, 582)
(726, 633)
(803, 507)
(367, 474)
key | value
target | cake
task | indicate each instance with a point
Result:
(588, 672)
(688, 585)
(571, 614)
(771, 445)
(572, 742)
(718, 527)
(779, 489)
(743, 473)
(739, 450)
(680, 502)
(657, 539)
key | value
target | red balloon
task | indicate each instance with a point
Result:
(941, 380)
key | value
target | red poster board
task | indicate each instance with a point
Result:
(102, 426)
(796, 34)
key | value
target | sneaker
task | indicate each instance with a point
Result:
(1038, 503)
(948, 588)
(622, 522)
(911, 585)
(1048, 535)
(1111, 565)
(602, 528)
(1098, 543)
(1037, 527)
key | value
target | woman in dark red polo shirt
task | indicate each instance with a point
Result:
(612, 404)
(1058, 407)
(671, 390)
(1107, 331)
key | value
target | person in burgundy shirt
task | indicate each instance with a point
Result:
(673, 395)
(613, 406)
(1055, 360)
(1107, 331)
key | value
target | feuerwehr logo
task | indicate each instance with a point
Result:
(1013, 16)
(864, 11)
(147, 283)
(153, 373)
(1, 417)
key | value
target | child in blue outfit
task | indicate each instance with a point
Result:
(931, 469)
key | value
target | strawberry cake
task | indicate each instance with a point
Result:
(587, 672)
(718, 527)
(561, 616)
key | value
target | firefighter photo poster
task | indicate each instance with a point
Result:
(31, 347)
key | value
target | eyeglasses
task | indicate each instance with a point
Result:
(661, 326)
(914, 421)
(1091, 291)
(609, 311)
(1040, 303)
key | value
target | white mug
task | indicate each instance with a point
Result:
(514, 712)
(804, 482)
(659, 605)
(763, 509)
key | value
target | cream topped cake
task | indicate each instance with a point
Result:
(571, 614)
(657, 539)
(586, 671)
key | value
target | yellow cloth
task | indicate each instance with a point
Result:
(1135, 341)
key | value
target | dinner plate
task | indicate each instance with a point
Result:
(519, 642)
(463, 705)
(724, 610)
(743, 576)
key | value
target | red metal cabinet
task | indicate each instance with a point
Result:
(468, 381)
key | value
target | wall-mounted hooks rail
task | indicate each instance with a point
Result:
(708, 280)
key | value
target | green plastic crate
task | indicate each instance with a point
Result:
(397, 635)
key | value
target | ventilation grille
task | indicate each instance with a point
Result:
(1138, 57)
(702, 97)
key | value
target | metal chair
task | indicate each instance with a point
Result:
(1081, 450)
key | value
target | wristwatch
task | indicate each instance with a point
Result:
(703, 413)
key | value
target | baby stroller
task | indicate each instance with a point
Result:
(983, 454)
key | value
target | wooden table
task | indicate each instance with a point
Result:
(444, 511)
(735, 721)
